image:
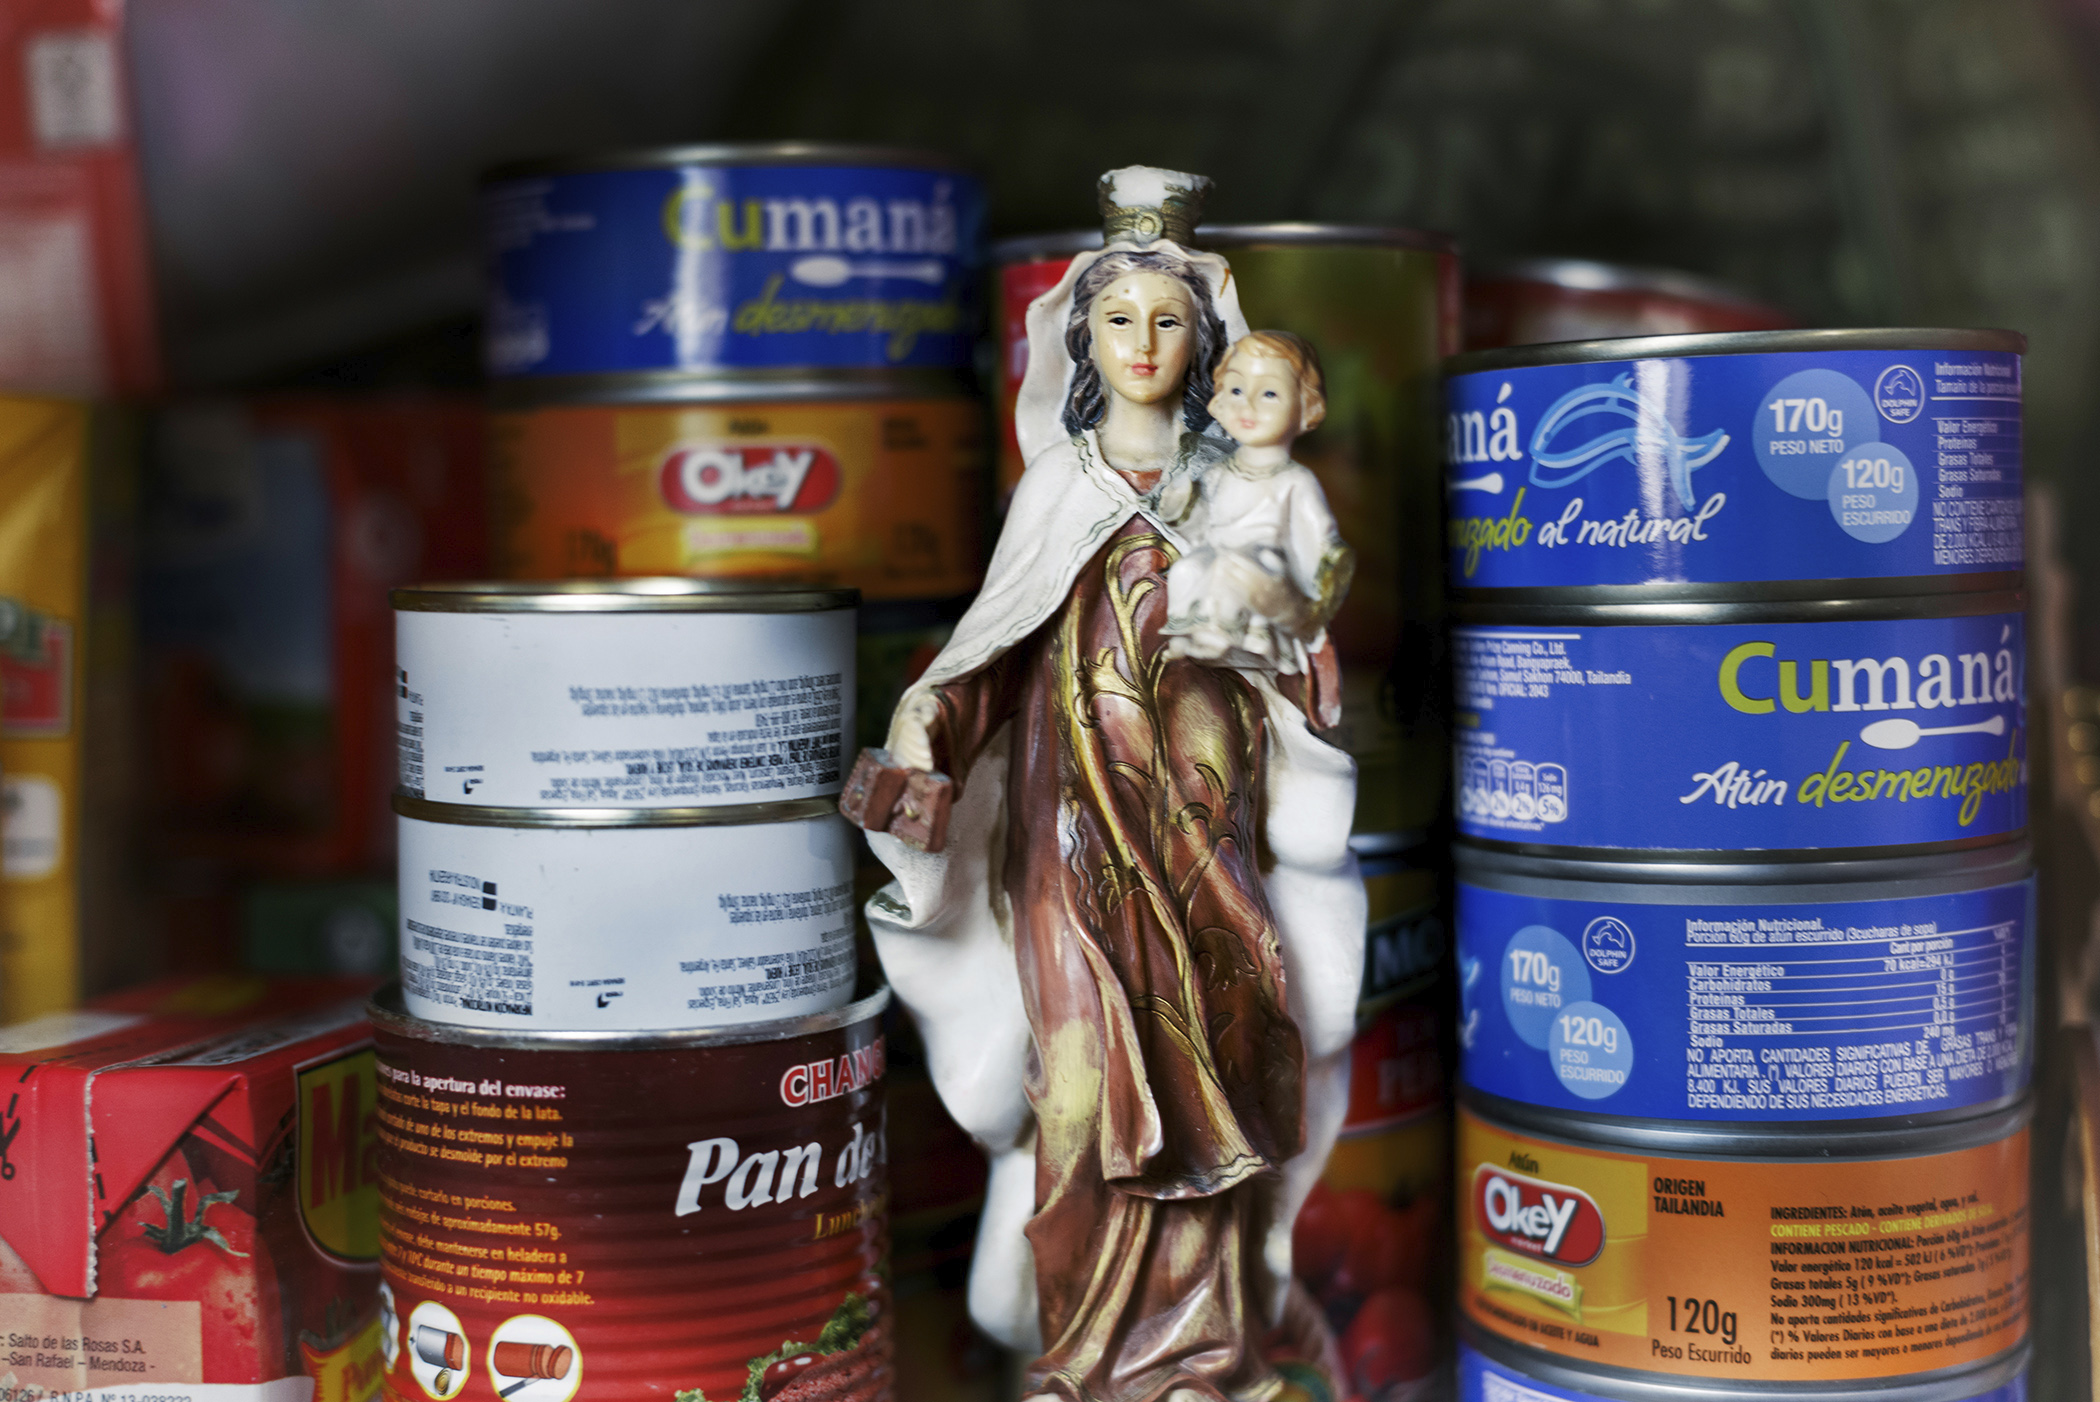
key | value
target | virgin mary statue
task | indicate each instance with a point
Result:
(1135, 964)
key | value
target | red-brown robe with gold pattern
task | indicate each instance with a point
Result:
(1167, 1078)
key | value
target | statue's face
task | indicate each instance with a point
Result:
(1144, 336)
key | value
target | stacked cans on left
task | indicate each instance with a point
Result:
(629, 1077)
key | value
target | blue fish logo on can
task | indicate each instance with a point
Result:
(728, 260)
(1874, 734)
(1766, 458)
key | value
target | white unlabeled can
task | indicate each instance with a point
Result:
(625, 693)
(546, 921)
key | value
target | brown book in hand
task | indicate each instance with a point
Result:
(912, 805)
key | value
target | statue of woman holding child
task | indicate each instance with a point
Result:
(1135, 955)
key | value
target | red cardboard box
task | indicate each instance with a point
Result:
(187, 1196)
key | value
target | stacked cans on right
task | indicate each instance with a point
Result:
(1744, 910)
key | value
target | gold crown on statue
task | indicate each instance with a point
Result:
(1144, 204)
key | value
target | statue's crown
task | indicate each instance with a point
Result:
(1143, 204)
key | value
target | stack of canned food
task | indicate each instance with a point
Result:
(744, 361)
(1745, 916)
(757, 362)
(1380, 306)
(631, 1118)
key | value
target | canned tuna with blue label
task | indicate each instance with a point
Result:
(1829, 991)
(732, 261)
(1783, 460)
(1492, 1371)
(1872, 727)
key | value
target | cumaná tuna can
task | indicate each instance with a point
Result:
(633, 1217)
(641, 693)
(1771, 464)
(1526, 301)
(552, 919)
(1874, 727)
(1806, 1258)
(877, 488)
(1380, 305)
(1749, 993)
(739, 262)
(1492, 1371)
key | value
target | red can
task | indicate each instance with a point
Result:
(620, 1216)
(1528, 301)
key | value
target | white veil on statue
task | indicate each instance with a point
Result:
(943, 927)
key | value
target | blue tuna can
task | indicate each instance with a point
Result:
(1492, 1370)
(1879, 727)
(739, 263)
(1891, 991)
(1764, 464)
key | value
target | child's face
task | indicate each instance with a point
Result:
(1257, 400)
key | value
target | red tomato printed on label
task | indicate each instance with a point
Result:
(1538, 1218)
(725, 479)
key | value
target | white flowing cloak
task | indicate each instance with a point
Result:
(943, 928)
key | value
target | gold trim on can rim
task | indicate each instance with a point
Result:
(649, 594)
(730, 153)
(390, 1014)
(729, 815)
(1697, 343)
(1031, 248)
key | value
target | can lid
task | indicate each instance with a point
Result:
(390, 1014)
(726, 815)
(728, 153)
(643, 594)
(1480, 609)
(1582, 275)
(1032, 247)
(1742, 878)
(1895, 338)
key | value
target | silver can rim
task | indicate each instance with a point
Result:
(1787, 1141)
(1491, 610)
(1608, 1384)
(732, 385)
(1034, 248)
(389, 1013)
(1586, 275)
(1698, 343)
(1744, 882)
(727, 815)
(731, 153)
(640, 594)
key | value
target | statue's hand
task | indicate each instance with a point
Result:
(911, 740)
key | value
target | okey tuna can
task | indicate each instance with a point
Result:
(1813, 1257)
(1772, 464)
(1492, 1371)
(640, 693)
(1749, 993)
(878, 489)
(738, 261)
(559, 920)
(635, 1217)
(1527, 301)
(1875, 727)
(1380, 305)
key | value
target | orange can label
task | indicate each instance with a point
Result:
(883, 495)
(1756, 1270)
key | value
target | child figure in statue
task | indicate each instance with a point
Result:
(1272, 568)
(1134, 945)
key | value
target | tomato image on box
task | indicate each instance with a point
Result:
(188, 1202)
